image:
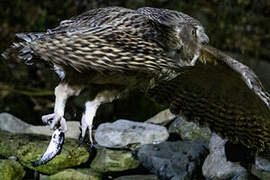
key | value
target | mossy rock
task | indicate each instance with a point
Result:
(11, 170)
(70, 156)
(30, 148)
(9, 143)
(108, 160)
(76, 174)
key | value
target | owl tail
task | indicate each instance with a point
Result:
(22, 50)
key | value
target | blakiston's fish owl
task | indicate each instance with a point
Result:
(115, 48)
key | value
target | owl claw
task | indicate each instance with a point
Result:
(54, 120)
(84, 129)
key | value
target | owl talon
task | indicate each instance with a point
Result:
(54, 120)
(84, 129)
(46, 119)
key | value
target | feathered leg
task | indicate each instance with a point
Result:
(90, 111)
(62, 93)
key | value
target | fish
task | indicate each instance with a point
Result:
(53, 149)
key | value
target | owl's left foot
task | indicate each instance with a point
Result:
(87, 122)
(90, 112)
(84, 129)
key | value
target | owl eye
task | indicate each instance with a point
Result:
(193, 32)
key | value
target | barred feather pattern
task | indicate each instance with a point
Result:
(108, 52)
(138, 23)
(224, 95)
(168, 17)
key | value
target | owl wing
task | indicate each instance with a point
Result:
(109, 17)
(112, 50)
(92, 18)
(98, 21)
(224, 95)
(138, 23)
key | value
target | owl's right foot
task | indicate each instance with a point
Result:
(54, 120)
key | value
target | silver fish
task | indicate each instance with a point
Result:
(53, 149)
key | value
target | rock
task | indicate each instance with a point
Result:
(262, 175)
(124, 133)
(44, 177)
(9, 143)
(162, 118)
(216, 165)
(262, 164)
(29, 148)
(12, 124)
(113, 160)
(76, 174)
(174, 160)
(261, 169)
(189, 130)
(11, 170)
(138, 177)
(70, 156)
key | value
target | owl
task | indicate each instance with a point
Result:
(115, 50)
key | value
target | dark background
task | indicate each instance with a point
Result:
(238, 27)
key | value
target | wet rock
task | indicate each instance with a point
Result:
(12, 124)
(138, 177)
(216, 165)
(174, 160)
(9, 143)
(113, 160)
(29, 148)
(44, 177)
(162, 118)
(76, 174)
(11, 170)
(262, 175)
(261, 169)
(189, 130)
(262, 164)
(124, 133)
(70, 156)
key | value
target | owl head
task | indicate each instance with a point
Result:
(190, 33)
(190, 37)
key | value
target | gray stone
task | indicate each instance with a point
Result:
(174, 160)
(12, 124)
(162, 118)
(138, 177)
(108, 160)
(189, 130)
(76, 174)
(262, 175)
(11, 170)
(261, 169)
(216, 166)
(262, 164)
(124, 133)
(44, 177)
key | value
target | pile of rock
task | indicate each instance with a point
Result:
(126, 150)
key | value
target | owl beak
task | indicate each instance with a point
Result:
(203, 38)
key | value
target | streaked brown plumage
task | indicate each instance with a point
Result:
(120, 49)
(224, 95)
(117, 48)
